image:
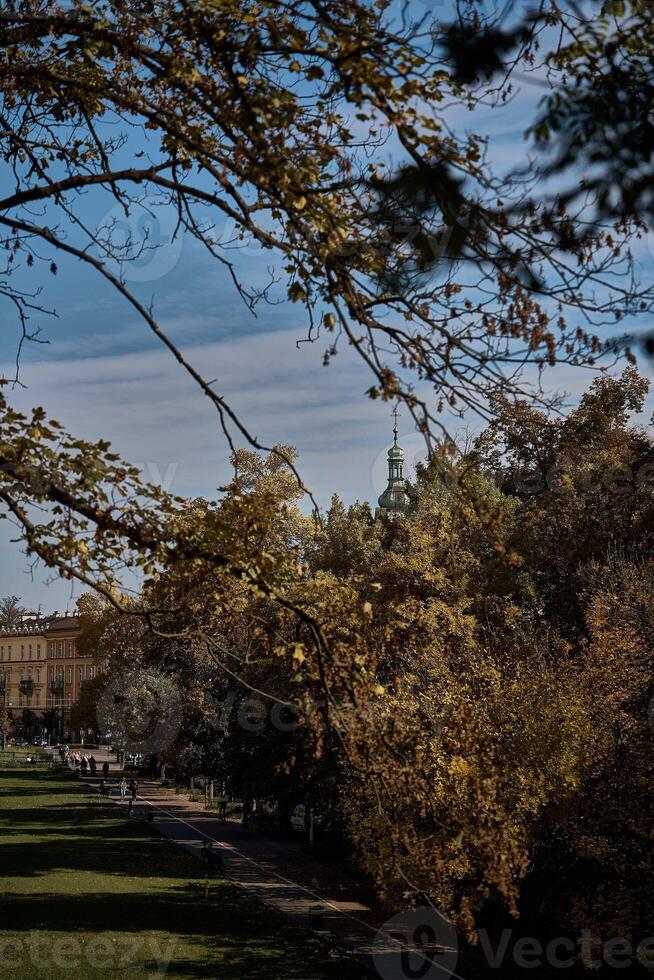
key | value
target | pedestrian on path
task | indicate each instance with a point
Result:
(105, 769)
(123, 790)
(93, 766)
(83, 765)
(133, 788)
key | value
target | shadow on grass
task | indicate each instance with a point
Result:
(228, 936)
(132, 856)
(180, 910)
(71, 830)
(78, 812)
(7, 794)
(85, 851)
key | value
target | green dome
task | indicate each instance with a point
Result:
(394, 498)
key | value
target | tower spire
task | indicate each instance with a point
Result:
(395, 499)
(395, 415)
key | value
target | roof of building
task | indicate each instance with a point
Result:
(63, 623)
(395, 498)
(53, 623)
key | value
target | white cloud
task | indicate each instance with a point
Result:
(154, 413)
(156, 416)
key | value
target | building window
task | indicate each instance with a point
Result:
(50, 673)
(38, 677)
(38, 651)
(60, 649)
(22, 651)
(2, 653)
(51, 648)
(69, 648)
(30, 651)
(91, 673)
(69, 676)
(37, 697)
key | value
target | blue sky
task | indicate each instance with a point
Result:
(104, 376)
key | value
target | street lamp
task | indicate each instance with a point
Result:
(57, 688)
(3, 691)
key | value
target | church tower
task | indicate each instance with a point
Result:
(394, 500)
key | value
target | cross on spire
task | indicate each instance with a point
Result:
(395, 415)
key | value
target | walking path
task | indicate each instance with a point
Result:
(316, 895)
(268, 869)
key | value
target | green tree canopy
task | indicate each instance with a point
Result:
(11, 612)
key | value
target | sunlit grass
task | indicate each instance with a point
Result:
(88, 893)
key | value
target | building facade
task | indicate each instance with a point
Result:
(41, 669)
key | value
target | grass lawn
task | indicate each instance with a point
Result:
(21, 750)
(17, 755)
(88, 893)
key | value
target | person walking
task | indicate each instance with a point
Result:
(83, 765)
(123, 790)
(105, 769)
(133, 788)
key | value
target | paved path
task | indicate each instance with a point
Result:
(268, 869)
(280, 876)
